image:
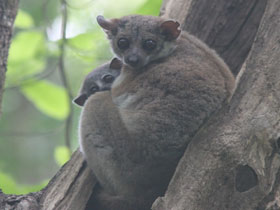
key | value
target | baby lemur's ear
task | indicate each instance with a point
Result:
(170, 29)
(116, 64)
(80, 100)
(108, 25)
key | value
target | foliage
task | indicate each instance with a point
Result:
(150, 8)
(9, 186)
(62, 155)
(27, 55)
(49, 98)
(35, 101)
(23, 20)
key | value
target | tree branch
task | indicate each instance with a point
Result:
(68, 127)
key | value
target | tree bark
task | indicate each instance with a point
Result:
(233, 162)
(71, 187)
(8, 11)
(229, 27)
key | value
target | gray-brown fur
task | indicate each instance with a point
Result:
(99, 79)
(131, 28)
(100, 200)
(134, 136)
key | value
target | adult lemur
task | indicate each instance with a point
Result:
(134, 136)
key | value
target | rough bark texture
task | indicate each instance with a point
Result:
(19, 202)
(70, 188)
(229, 27)
(8, 11)
(234, 162)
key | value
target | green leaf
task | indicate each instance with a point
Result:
(25, 46)
(27, 56)
(18, 72)
(23, 20)
(7, 184)
(87, 41)
(89, 46)
(150, 7)
(83, 41)
(49, 98)
(62, 155)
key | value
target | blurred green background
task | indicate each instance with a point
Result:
(35, 103)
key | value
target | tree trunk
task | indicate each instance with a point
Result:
(229, 27)
(233, 162)
(8, 11)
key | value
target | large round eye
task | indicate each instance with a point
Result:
(123, 43)
(107, 78)
(94, 89)
(149, 44)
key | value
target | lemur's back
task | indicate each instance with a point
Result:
(164, 106)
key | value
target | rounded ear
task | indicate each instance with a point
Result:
(170, 29)
(107, 25)
(80, 100)
(115, 64)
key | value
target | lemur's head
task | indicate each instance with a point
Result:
(138, 40)
(100, 79)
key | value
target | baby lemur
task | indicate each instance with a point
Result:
(100, 79)
(170, 84)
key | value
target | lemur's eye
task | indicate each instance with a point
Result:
(94, 89)
(123, 43)
(149, 44)
(107, 78)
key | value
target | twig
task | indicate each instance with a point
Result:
(68, 127)
(44, 9)
(31, 79)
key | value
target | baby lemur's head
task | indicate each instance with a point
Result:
(100, 79)
(138, 40)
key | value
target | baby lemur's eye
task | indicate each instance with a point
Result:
(107, 78)
(149, 44)
(123, 43)
(94, 89)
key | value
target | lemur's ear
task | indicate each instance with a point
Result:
(170, 29)
(108, 25)
(80, 100)
(115, 64)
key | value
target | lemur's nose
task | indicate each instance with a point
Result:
(132, 60)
